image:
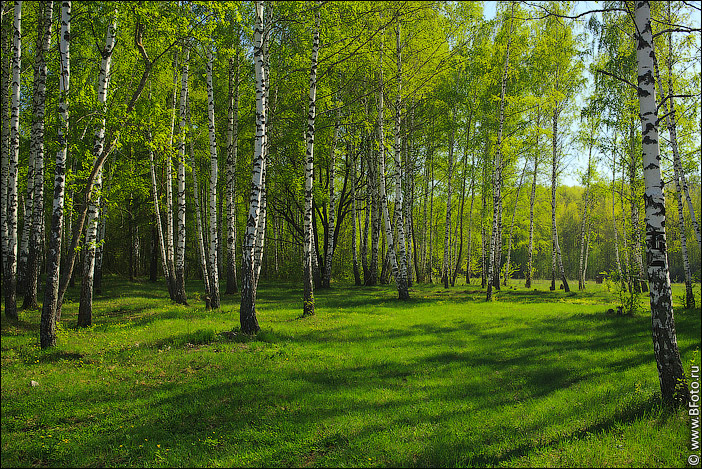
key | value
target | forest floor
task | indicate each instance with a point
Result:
(535, 378)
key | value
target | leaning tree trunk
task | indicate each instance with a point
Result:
(47, 326)
(10, 274)
(159, 229)
(497, 178)
(85, 309)
(247, 309)
(232, 147)
(37, 149)
(213, 268)
(469, 252)
(671, 374)
(179, 290)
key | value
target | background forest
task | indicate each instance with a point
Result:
(153, 116)
(159, 158)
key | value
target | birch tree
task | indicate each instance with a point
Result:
(671, 374)
(85, 309)
(308, 252)
(179, 292)
(37, 155)
(247, 309)
(232, 147)
(53, 255)
(10, 274)
(213, 264)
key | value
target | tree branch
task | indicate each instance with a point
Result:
(623, 80)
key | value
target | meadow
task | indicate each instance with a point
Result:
(534, 378)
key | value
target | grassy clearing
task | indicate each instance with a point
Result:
(536, 378)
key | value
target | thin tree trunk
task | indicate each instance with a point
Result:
(202, 254)
(85, 310)
(614, 218)
(354, 217)
(5, 131)
(469, 252)
(213, 268)
(400, 280)
(447, 227)
(179, 291)
(585, 222)
(532, 199)
(403, 264)
(677, 169)
(170, 248)
(497, 177)
(37, 149)
(159, 230)
(247, 309)
(557, 259)
(326, 278)
(232, 147)
(670, 371)
(511, 225)
(47, 331)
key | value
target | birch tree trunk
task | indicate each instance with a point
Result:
(232, 147)
(403, 263)
(614, 218)
(85, 309)
(4, 129)
(497, 176)
(37, 150)
(308, 251)
(170, 248)
(447, 227)
(671, 374)
(375, 219)
(10, 274)
(179, 291)
(247, 309)
(47, 326)
(354, 217)
(400, 279)
(213, 268)
(159, 229)
(532, 199)
(202, 254)
(585, 222)
(367, 217)
(556, 258)
(677, 170)
(469, 252)
(511, 225)
(326, 278)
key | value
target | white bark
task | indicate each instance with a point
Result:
(85, 309)
(326, 279)
(5, 133)
(232, 147)
(308, 251)
(53, 256)
(213, 267)
(180, 296)
(247, 310)
(10, 274)
(37, 150)
(670, 371)
(403, 263)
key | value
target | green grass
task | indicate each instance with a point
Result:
(535, 378)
